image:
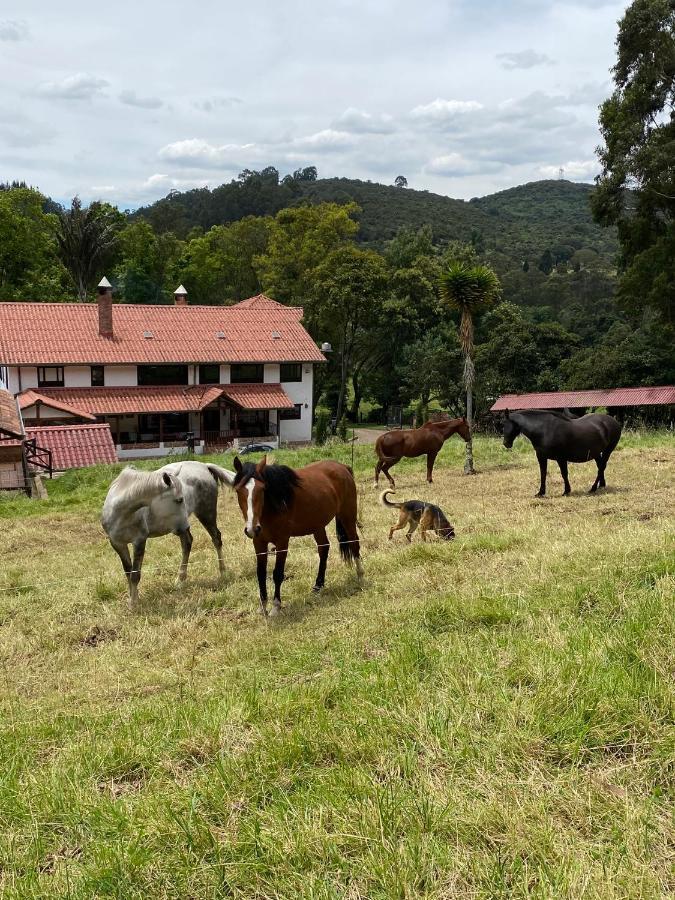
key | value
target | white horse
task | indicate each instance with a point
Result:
(140, 505)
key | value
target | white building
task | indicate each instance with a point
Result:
(225, 374)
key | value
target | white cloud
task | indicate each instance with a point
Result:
(326, 140)
(103, 188)
(211, 104)
(357, 121)
(131, 98)
(575, 170)
(13, 30)
(74, 87)
(524, 59)
(202, 154)
(442, 111)
(455, 165)
(166, 183)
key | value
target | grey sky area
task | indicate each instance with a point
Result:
(126, 101)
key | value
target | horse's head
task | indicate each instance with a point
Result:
(249, 485)
(510, 431)
(173, 489)
(463, 429)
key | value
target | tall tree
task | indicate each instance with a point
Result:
(86, 240)
(468, 289)
(347, 295)
(638, 156)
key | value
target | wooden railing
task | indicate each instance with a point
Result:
(39, 457)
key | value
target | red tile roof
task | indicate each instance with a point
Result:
(107, 401)
(34, 398)
(255, 330)
(633, 396)
(258, 396)
(73, 446)
(10, 419)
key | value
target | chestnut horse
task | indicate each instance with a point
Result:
(278, 503)
(429, 439)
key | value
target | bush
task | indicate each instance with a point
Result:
(342, 429)
(321, 426)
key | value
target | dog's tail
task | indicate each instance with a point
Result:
(389, 503)
(222, 476)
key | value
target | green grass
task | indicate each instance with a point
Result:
(491, 717)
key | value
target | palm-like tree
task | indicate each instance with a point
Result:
(468, 289)
(86, 238)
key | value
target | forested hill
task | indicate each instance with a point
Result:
(521, 223)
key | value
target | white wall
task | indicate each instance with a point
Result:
(120, 376)
(271, 373)
(77, 376)
(225, 373)
(299, 392)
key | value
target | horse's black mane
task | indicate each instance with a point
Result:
(280, 484)
(559, 413)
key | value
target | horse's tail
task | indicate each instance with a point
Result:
(222, 476)
(385, 502)
(349, 550)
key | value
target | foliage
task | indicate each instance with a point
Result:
(638, 127)
(147, 272)
(321, 424)
(29, 265)
(342, 430)
(300, 239)
(86, 240)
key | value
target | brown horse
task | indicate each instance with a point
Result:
(429, 439)
(279, 503)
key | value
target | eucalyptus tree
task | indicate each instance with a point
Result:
(86, 238)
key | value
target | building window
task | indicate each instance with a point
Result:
(50, 376)
(97, 376)
(209, 374)
(158, 375)
(247, 373)
(291, 371)
(295, 413)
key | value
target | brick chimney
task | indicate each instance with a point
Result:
(180, 296)
(105, 315)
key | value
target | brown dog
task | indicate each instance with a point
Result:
(417, 512)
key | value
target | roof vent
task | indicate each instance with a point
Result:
(148, 334)
(220, 335)
(276, 335)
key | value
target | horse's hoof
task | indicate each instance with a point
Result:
(317, 588)
(275, 611)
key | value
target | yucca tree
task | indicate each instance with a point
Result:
(86, 240)
(468, 289)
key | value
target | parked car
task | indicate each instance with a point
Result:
(256, 448)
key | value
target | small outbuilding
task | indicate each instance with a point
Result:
(617, 401)
(12, 462)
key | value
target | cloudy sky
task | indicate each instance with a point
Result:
(128, 100)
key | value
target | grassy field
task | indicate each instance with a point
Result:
(487, 718)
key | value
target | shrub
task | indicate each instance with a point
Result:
(321, 426)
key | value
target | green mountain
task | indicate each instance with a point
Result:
(511, 227)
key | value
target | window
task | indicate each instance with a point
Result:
(50, 376)
(209, 374)
(158, 375)
(97, 376)
(295, 413)
(291, 371)
(247, 373)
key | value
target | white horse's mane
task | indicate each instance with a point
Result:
(134, 483)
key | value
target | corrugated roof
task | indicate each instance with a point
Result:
(632, 396)
(74, 446)
(10, 418)
(67, 333)
(107, 401)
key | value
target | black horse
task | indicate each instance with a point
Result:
(564, 438)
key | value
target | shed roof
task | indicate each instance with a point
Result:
(10, 417)
(74, 446)
(631, 396)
